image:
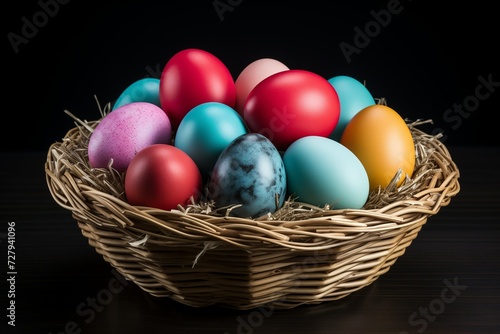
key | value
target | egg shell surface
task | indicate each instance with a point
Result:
(251, 75)
(353, 96)
(123, 132)
(321, 171)
(162, 176)
(250, 172)
(191, 77)
(142, 90)
(205, 132)
(382, 141)
(292, 104)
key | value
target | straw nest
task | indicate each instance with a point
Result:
(200, 256)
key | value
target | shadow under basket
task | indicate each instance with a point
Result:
(298, 255)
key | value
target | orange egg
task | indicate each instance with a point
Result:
(382, 141)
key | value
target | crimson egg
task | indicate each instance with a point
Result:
(162, 176)
(292, 104)
(191, 77)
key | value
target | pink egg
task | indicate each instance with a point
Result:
(251, 75)
(123, 132)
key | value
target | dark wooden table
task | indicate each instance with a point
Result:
(448, 281)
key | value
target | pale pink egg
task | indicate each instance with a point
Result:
(251, 75)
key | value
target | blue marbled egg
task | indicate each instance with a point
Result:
(250, 172)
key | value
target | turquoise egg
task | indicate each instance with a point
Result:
(353, 96)
(142, 90)
(250, 172)
(321, 171)
(206, 130)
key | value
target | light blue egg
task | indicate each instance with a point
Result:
(321, 171)
(250, 172)
(206, 130)
(142, 90)
(353, 96)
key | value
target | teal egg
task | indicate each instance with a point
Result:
(142, 90)
(353, 96)
(250, 172)
(206, 130)
(321, 171)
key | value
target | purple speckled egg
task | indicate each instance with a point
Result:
(125, 131)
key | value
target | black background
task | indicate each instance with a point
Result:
(424, 60)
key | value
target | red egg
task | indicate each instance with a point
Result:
(162, 176)
(192, 77)
(292, 104)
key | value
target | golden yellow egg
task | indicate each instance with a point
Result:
(382, 141)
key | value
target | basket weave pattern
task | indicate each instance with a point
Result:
(298, 255)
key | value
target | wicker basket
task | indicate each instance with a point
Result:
(298, 255)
